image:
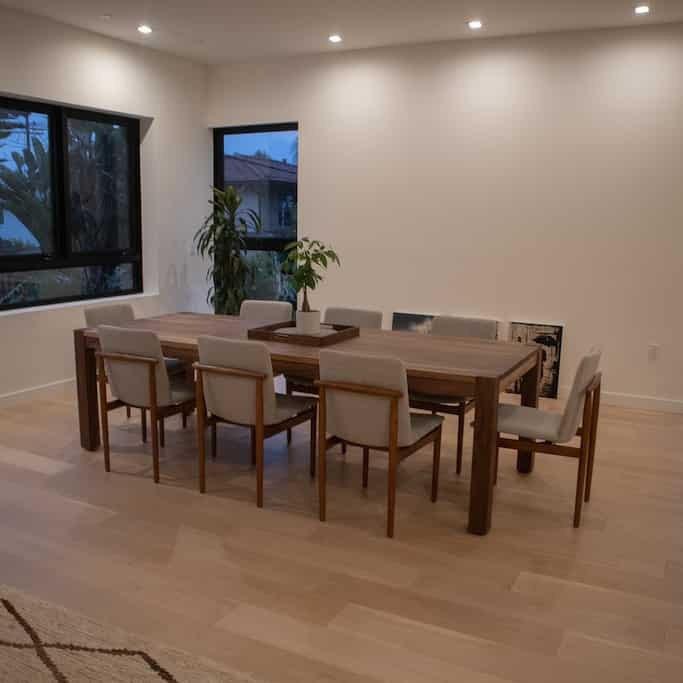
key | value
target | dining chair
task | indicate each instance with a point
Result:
(543, 432)
(334, 315)
(132, 362)
(364, 402)
(466, 328)
(235, 385)
(119, 315)
(268, 311)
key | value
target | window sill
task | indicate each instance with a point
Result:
(82, 302)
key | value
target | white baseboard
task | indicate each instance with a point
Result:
(636, 401)
(31, 391)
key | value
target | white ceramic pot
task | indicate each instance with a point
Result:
(308, 322)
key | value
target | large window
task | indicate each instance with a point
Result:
(261, 163)
(69, 205)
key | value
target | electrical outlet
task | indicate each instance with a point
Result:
(652, 351)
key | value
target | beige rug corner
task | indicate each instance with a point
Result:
(43, 643)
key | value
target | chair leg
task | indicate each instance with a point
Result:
(314, 438)
(391, 492)
(593, 438)
(435, 466)
(366, 466)
(201, 435)
(104, 419)
(288, 391)
(184, 420)
(213, 440)
(495, 464)
(155, 424)
(128, 412)
(259, 467)
(343, 447)
(162, 433)
(580, 484)
(461, 435)
(143, 424)
(322, 455)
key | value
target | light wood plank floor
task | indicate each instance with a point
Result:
(275, 593)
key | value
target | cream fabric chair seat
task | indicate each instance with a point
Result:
(530, 423)
(423, 423)
(290, 406)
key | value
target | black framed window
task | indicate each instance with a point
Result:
(261, 163)
(70, 225)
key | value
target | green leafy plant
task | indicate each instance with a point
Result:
(221, 239)
(306, 259)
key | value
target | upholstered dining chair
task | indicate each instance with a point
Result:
(364, 401)
(132, 362)
(335, 315)
(268, 311)
(235, 385)
(454, 326)
(542, 432)
(119, 315)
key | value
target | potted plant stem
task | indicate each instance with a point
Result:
(306, 259)
(221, 239)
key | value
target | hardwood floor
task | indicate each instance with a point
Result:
(275, 593)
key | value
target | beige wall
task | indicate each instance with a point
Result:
(534, 178)
(50, 61)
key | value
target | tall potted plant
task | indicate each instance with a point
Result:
(221, 239)
(306, 259)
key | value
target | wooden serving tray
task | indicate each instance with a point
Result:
(287, 333)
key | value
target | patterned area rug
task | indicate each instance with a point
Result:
(43, 643)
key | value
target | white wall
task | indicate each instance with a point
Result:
(535, 178)
(50, 61)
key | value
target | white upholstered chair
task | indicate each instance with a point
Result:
(235, 385)
(464, 328)
(132, 362)
(364, 401)
(268, 311)
(335, 315)
(543, 432)
(120, 315)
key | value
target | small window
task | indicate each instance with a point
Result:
(69, 205)
(262, 162)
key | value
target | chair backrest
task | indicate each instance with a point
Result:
(588, 367)
(455, 326)
(234, 398)
(358, 317)
(129, 382)
(268, 311)
(114, 314)
(359, 418)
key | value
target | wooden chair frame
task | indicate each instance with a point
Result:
(157, 413)
(584, 452)
(459, 408)
(259, 431)
(396, 453)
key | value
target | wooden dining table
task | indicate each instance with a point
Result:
(437, 365)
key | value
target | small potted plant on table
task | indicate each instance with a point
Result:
(306, 259)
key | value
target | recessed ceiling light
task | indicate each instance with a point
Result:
(105, 17)
(335, 38)
(475, 24)
(642, 9)
(143, 28)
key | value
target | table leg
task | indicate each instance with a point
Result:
(86, 384)
(484, 456)
(531, 382)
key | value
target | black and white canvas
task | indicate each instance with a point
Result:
(550, 338)
(412, 322)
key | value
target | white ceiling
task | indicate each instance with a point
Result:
(217, 31)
